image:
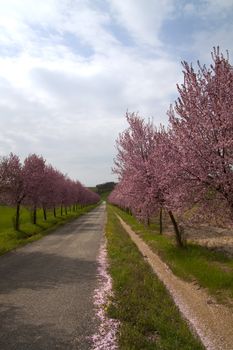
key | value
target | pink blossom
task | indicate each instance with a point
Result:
(106, 336)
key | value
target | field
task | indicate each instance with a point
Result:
(10, 238)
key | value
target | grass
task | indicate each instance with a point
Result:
(149, 318)
(10, 238)
(210, 269)
(104, 195)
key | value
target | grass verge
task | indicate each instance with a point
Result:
(210, 269)
(149, 318)
(11, 239)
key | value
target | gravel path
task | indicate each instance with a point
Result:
(46, 288)
(212, 322)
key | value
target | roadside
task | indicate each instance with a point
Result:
(211, 321)
(203, 267)
(11, 239)
(148, 317)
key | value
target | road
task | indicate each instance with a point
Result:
(46, 288)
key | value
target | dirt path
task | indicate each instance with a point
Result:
(212, 322)
(46, 288)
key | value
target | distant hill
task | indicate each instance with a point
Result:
(105, 187)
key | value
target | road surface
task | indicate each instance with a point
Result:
(46, 288)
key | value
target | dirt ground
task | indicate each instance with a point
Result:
(213, 237)
(220, 239)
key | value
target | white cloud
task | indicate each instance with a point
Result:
(218, 14)
(205, 40)
(209, 8)
(67, 79)
(142, 19)
(219, 6)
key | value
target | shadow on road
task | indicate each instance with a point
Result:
(46, 271)
(25, 335)
(47, 287)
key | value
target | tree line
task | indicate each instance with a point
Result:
(188, 165)
(35, 184)
(105, 187)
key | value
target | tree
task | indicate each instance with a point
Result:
(141, 164)
(49, 191)
(201, 130)
(34, 177)
(39, 185)
(12, 181)
(135, 146)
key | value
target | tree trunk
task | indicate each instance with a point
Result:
(176, 229)
(161, 221)
(45, 214)
(17, 216)
(54, 212)
(66, 210)
(34, 215)
(61, 210)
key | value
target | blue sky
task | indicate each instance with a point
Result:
(69, 70)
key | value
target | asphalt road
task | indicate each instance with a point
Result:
(46, 288)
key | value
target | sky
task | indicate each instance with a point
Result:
(70, 69)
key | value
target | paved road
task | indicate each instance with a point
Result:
(46, 288)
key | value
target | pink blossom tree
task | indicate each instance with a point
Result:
(34, 177)
(135, 146)
(39, 185)
(49, 191)
(12, 185)
(86, 196)
(166, 180)
(143, 164)
(201, 130)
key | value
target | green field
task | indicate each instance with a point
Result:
(148, 317)
(10, 238)
(210, 269)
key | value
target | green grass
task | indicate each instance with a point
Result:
(210, 269)
(104, 195)
(10, 238)
(148, 317)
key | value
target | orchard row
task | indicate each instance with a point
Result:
(37, 185)
(188, 166)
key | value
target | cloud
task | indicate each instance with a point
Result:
(143, 21)
(69, 70)
(216, 27)
(204, 42)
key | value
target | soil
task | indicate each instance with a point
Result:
(220, 239)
